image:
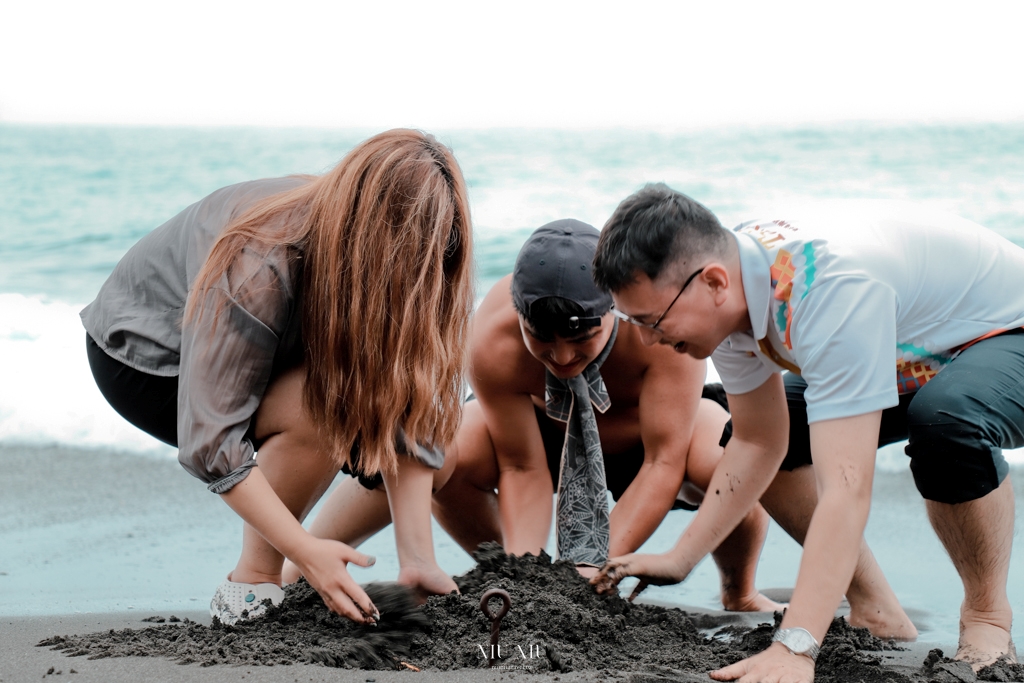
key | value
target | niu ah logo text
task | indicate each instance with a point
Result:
(495, 652)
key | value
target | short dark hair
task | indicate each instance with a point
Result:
(652, 229)
(550, 316)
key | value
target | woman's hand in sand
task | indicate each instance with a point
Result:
(323, 564)
(775, 665)
(426, 579)
(659, 570)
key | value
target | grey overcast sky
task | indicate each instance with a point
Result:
(528, 63)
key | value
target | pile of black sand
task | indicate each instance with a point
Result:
(557, 623)
(299, 631)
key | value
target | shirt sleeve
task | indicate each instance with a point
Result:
(227, 357)
(741, 371)
(844, 340)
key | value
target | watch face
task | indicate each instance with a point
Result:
(799, 640)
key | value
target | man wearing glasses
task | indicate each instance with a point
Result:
(837, 295)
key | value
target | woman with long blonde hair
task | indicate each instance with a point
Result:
(319, 321)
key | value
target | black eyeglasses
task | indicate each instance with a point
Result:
(654, 326)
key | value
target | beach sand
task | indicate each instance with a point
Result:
(22, 660)
(94, 540)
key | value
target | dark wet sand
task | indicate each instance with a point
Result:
(21, 660)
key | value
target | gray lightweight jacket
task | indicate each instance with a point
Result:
(223, 370)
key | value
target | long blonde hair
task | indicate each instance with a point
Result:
(386, 292)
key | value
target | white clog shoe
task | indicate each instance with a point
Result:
(234, 602)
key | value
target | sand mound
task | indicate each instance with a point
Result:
(557, 623)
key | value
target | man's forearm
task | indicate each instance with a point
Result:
(524, 506)
(844, 462)
(828, 562)
(740, 479)
(642, 507)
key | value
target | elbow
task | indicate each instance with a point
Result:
(219, 473)
(518, 469)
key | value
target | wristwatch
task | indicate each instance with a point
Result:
(799, 641)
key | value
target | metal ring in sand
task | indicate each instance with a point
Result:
(506, 605)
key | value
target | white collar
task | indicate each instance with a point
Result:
(757, 282)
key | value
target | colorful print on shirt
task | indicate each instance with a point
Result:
(789, 272)
(916, 365)
(784, 273)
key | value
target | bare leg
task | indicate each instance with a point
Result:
(737, 565)
(978, 536)
(294, 464)
(791, 500)
(465, 502)
(739, 553)
(351, 514)
(467, 505)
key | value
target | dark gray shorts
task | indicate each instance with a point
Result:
(958, 424)
(620, 469)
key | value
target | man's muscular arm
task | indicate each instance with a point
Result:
(503, 374)
(669, 398)
(524, 483)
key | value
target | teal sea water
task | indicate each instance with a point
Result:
(74, 199)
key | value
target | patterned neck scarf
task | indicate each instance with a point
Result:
(582, 508)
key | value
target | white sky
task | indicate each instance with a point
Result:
(449, 64)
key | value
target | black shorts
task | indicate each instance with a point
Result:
(957, 424)
(620, 468)
(150, 402)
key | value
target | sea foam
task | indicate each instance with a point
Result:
(48, 394)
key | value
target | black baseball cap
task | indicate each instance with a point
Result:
(556, 260)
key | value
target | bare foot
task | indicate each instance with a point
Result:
(755, 602)
(982, 644)
(894, 625)
(290, 573)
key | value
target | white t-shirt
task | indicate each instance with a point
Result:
(866, 300)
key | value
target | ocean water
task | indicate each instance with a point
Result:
(74, 199)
